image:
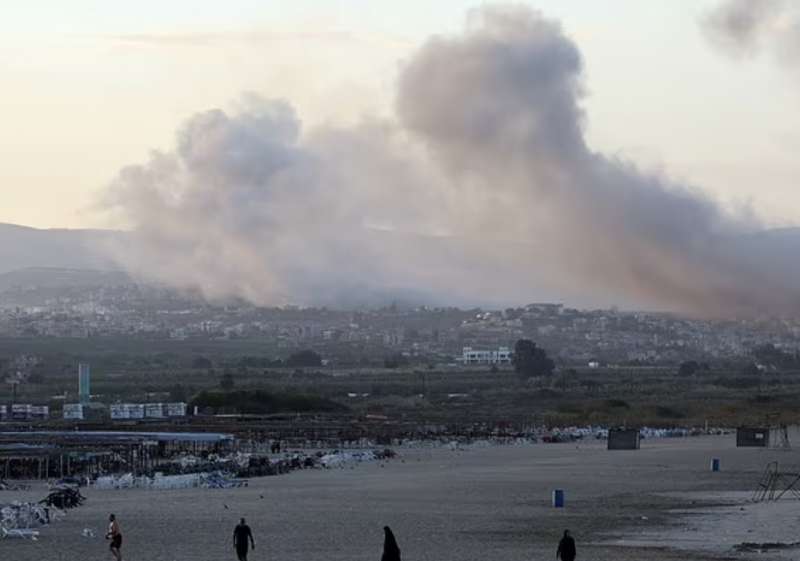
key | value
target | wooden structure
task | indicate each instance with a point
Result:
(623, 439)
(776, 484)
(46, 454)
(752, 437)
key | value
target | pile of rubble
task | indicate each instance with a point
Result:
(8, 486)
(20, 520)
(247, 465)
(63, 498)
(209, 480)
(225, 472)
(339, 459)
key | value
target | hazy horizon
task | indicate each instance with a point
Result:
(472, 154)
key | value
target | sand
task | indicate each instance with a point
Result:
(487, 504)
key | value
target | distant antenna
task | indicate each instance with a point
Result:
(84, 383)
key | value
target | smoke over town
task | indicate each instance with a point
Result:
(481, 190)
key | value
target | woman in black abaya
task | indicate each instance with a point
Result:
(390, 550)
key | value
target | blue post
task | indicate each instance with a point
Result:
(558, 498)
(714, 464)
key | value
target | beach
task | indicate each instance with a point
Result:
(661, 502)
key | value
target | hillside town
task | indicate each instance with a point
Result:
(425, 334)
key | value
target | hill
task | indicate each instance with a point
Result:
(23, 248)
(53, 277)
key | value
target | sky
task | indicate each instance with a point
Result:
(89, 87)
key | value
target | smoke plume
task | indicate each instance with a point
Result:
(745, 27)
(481, 190)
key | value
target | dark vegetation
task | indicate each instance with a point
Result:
(536, 389)
(531, 361)
(263, 402)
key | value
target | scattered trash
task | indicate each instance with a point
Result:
(8, 486)
(18, 519)
(17, 515)
(88, 533)
(764, 547)
(25, 534)
(212, 480)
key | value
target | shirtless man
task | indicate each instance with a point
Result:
(115, 535)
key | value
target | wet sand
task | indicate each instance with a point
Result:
(481, 504)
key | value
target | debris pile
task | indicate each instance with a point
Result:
(246, 465)
(19, 515)
(752, 547)
(339, 459)
(218, 472)
(210, 480)
(8, 486)
(63, 498)
(18, 520)
(217, 480)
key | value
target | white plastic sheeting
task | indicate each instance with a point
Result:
(213, 480)
(17, 519)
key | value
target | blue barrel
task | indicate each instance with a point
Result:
(714, 464)
(558, 498)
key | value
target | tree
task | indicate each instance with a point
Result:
(201, 362)
(396, 360)
(303, 359)
(226, 382)
(750, 369)
(178, 393)
(530, 360)
(688, 368)
(36, 378)
(567, 376)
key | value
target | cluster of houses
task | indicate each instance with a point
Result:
(123, 411)
(24, 412)
(94, 411)
(502, 355)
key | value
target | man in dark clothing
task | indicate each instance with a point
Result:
(242, 538)
(566, 548)
(391, 551)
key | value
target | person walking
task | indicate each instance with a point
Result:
(115, 535)
(566, 548)
(391, 551)
(242, 538)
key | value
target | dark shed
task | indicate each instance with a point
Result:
(752, 437)
(623, 439)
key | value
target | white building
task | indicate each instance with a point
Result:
(474, 356)
(154, 410)
(73, 411)
(119, 411)
(177, 409)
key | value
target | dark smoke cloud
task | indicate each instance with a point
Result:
(482, 190)
(745, 27)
